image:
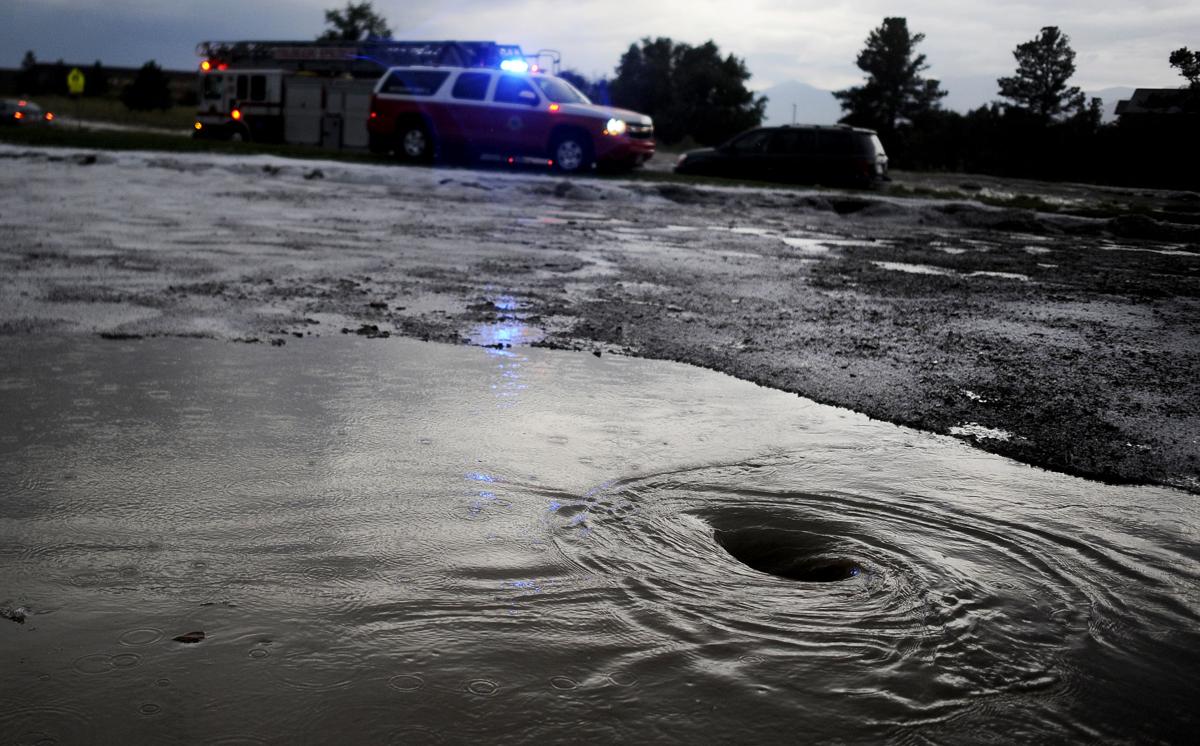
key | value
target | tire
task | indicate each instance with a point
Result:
(239, 134)
(572, 153)
(414, 143)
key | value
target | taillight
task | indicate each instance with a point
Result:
(206, 66)
(198, 126)
(236, 114)
(49, 116)
(18, 115)
(373, 115)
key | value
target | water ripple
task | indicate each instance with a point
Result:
(939, 604)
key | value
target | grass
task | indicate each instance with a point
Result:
(69, 137)
(113, 111)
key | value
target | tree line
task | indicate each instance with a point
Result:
(149, 89)
(1043, 127)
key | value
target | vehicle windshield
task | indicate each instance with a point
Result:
(213, 86)
(560, 91)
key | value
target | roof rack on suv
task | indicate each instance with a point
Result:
(368, 56)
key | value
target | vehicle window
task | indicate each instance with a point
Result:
(793, 142)
(836, 142)
(258, 87)
(241, 87)
(214, 85)
(751, 142)
(471, 86)
(560, 91)
(515, 90)
(414, 82)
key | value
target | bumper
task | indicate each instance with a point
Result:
(625, 151)
(213, 128)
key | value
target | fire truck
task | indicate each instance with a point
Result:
(318, 93)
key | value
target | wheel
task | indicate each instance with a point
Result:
(239, 134)
(572, 153)
(415, 143)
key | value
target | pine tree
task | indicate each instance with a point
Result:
(894, 91)
(96, 82)
(356, 22)
(1039, 88)
(28, 82)
(689, 91)
(1188, 63)
(149, 89)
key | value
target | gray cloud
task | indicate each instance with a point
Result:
(1118, 43)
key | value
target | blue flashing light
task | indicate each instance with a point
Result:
(514, 66)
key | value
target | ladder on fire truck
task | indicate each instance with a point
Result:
(364, 58)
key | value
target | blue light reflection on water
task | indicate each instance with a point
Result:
(998, 599)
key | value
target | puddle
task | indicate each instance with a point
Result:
(814, 244)
(914, 269)
(1163, 252)
(999, 275)
(508, 330)
(387, 540)
(925, 269)
(975, 430)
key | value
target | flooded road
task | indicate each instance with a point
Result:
(415, 543)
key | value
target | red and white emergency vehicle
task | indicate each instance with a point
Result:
(316, 93)
(511, 114)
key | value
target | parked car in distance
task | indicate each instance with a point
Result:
(423, 112)
(807, 154)
(24, 112)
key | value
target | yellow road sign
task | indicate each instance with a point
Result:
(75, 81)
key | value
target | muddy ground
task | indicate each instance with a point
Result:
(1067, 341)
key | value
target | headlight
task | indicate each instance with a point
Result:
(615, 126)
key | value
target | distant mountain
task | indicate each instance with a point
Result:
(812, 105)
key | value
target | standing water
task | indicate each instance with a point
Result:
(364, 542)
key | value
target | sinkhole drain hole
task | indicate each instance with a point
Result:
(794, 555)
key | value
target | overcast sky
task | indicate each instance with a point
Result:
(969, 43)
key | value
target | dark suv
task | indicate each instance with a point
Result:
(812, 154)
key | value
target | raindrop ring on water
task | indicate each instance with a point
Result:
(483, 687)
(563, 683)
(139, 637)
(406, 682)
